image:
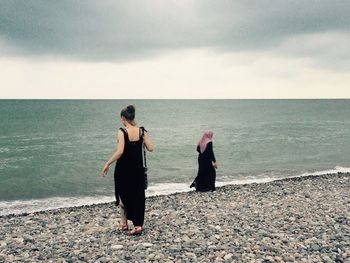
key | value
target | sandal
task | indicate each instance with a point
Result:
(136, 231)
(124, 227)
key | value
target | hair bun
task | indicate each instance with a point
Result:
(128, 112)
(130, 109)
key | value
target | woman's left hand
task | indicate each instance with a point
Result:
(105, 170)
(215, 165)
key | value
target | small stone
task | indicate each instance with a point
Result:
(18, 240)
(147, 244)
(191, 255)
(315, 247)
(278, 259)
(103, 260)
(117, 247)
(132, 247)
(157, 257)
(326, 259)
(228, 256)
(218, 228)
(289, 258)
(186, 239)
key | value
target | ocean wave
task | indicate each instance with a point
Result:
(4, 149)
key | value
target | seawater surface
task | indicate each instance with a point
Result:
(52, 151)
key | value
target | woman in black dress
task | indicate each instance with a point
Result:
(205, 180)
(129, 175)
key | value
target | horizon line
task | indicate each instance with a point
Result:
(320, 98)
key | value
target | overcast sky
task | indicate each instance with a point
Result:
(175, 49)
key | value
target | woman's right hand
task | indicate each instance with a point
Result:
(105, 170)
(215, 165)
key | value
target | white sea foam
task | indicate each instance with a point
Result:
(34, 205)
(337, 169)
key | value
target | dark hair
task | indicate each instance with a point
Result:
(128, 113)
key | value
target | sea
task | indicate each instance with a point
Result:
(52, 151)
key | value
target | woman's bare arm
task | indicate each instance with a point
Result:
(148, 142)
(120, 148)
(116, 155)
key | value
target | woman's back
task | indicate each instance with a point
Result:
(131, 158)
(133, 133)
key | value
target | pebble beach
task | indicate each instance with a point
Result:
(302, 219)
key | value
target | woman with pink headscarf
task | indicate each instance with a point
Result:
(205, 180)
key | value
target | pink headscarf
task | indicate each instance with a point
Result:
(207, 137)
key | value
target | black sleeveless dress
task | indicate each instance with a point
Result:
(129, 180)
(205, 180)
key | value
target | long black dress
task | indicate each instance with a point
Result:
(129, 180)
(205, 180)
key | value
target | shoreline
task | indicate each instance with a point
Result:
(302, 219)
(25, 207)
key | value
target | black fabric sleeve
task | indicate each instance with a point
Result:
(211, 152)
(198, 150)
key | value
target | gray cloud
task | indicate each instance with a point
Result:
(327, 49)
(122, 30)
